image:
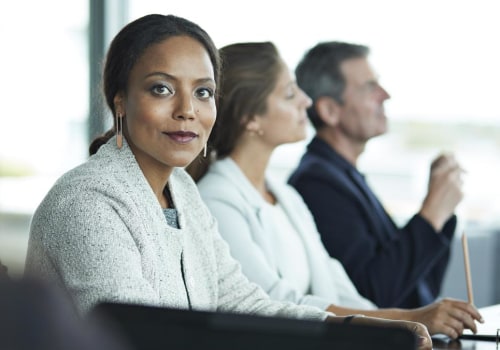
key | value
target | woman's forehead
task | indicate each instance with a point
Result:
(177, 55)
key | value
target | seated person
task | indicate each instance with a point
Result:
(35, 315)
(390, 265)
(128, 225)
(267, 225)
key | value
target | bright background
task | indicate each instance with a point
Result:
(439, 60)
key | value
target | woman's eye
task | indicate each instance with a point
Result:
(290, 94)
(161, 90)
(205, 93)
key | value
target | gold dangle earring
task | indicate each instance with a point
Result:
(119, 131)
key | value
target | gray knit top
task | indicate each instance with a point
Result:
(101, 233)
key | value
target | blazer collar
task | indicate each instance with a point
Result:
(324, 150)
(353, 180)
(228, 169)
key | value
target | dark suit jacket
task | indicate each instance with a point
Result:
(386, 263)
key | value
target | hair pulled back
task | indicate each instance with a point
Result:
(131, 43)
(250, 72)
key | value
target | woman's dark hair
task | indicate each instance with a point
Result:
(131, 42)
(250, 72)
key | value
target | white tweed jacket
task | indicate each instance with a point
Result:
(101, 233)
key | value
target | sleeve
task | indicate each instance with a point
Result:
(346, 233)
(92, 251)
(436, 274)
(236, 230)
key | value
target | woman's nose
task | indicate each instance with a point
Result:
(307, 99)
(185, 108)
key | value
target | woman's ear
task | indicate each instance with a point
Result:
(119, 104)
(252, 124)
(328, 110)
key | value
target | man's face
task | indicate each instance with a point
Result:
(362, 113)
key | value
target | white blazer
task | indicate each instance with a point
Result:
(246, 223)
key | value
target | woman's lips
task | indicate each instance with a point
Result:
(182, 136)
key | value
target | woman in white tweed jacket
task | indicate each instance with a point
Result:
(129, 225)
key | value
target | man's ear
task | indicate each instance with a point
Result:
(328, 110)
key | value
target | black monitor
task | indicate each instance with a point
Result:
(151, 328)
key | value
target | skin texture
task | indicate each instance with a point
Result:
(284, 121)
(360, 116)
(168, 108)
(444, 191)
(447, 316)
(424, 339)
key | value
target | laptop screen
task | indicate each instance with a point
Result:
(147, 327)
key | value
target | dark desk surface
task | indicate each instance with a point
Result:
(439, 344)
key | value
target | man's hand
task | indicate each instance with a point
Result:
(444, 192)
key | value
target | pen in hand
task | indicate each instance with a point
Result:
(468, 278)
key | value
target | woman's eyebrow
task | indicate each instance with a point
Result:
(172, 77)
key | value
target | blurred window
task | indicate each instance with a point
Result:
(438, 60)
(44, 97)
